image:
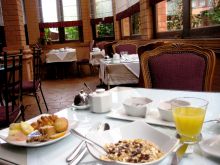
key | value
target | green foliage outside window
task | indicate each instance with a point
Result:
(105, 30)
(175, 15)
(72, 33)
(214, 14)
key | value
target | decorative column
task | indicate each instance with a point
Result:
(116, 23)
(146, 20)
(85, 11)
(31, 9)
(15, 34)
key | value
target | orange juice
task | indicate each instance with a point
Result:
(189, 121)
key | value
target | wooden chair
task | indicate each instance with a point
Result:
(85, 61)
(11, 107)
(128, 46)
(33, 87)
(178, 66)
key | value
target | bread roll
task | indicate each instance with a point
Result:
(61, 124)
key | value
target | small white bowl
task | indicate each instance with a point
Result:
(136, 106)
(165, 111)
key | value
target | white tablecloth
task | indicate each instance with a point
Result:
(64, 55)
(55, 154)
(122, 71)
(95, 57)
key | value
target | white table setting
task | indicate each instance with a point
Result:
(61, 55)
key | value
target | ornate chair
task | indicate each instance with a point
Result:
(141, 50)
(33, 87)
(128, 46)
(11, 107)
(179, 67)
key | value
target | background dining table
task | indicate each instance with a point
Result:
(56, 153)
(119, 71)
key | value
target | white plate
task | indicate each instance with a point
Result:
(164, 142)
(81, 106)
(4, 134)
(152, 117)
(211, 146)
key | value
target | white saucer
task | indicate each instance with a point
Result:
(81, 106)
(211, 146)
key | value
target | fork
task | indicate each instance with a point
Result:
(77, 154)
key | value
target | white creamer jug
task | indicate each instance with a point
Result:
(100, 101)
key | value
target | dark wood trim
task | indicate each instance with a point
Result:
(2, 38)
(154, 21)
(186, 18)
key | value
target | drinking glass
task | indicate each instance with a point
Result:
(189, 117)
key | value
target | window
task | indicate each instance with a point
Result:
(169, 15)
(60, 20)
(135, 24)
(105, 30)
(1, 15)
(70, 10)
(187, 18)
(102, 19)
(103, 8)
(206, 14)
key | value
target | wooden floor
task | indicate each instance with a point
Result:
(60, 94)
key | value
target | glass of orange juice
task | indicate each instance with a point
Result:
(189, 117)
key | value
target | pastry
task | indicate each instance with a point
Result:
(47, 130)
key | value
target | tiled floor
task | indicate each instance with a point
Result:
(59, 94)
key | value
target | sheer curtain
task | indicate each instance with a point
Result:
(123, 5)
(101, 8)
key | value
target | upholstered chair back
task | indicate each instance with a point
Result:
(178, 67)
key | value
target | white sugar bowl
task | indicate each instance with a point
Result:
(100, 101)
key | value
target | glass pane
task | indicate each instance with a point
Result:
(51, 34)
(1, 15)
(104, 30)
(125, 27)
(135, 23)
(169, 15)
(49, 10)
(205, 13)
(103, 8)
(71, 33)
(71, 10)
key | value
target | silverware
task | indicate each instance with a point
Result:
(178, 153)
(93, 143)
(213, 120)
(181, 148)
(77, 154)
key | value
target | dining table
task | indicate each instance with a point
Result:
(119, 71)
(56, 153)
(61, 55)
